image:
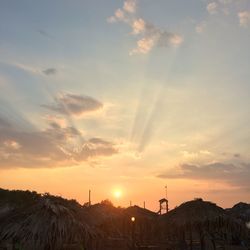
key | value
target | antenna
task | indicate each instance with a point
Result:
(166, 187)
(167, 208)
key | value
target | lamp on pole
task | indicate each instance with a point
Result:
(133, 232)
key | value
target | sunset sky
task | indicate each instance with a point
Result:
(126, 96)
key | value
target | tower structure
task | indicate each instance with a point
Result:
(164, 203)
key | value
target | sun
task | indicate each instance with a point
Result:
(117, 193)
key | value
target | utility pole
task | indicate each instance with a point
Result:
(89, 198)
(144, 205)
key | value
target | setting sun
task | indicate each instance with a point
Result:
(117, 193)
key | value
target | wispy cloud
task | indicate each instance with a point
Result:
(212, 8)
(227, 7)
(219, 6)
(130, 6)
(32, 69)
(27, 68)
(149, 35)
(244, 18)
(195, 155)
(74, 104)
(126, 13)
(200, 27)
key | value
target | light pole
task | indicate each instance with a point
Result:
(133, 232)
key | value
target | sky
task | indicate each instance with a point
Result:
(128, 96)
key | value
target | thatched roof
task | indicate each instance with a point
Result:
(41, 222)
(240, 211)
(192, 212)
(48, 224)
(101, 212)
(202, 216)
(139, 213)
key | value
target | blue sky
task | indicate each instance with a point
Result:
(126, 93)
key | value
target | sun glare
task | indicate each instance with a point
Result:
(117, 193)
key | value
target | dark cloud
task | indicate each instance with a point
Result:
(74, 104)
(99, 141)
(54, 147)
(49, 71)
(237, 155)
(237, 175)
(95, 147)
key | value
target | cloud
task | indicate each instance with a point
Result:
(164, 39)
(56, 146)
(194, 155)
(44, 33)
(226, 7)
(32, 69)
(12, 144)
(237, 155)
(144, 45)
(27, 68)
(124, 14)
(119, 16)
(74, 104)
(4, 123)
(244, 18)
(99, 141)
(200, 27)
(152, 37)
(49, 71)
(212, 8)
(149, 35)
(55, 119)
(225, 1)
(237, 175)
(138, 26)
(130, 6)
(93, 149)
